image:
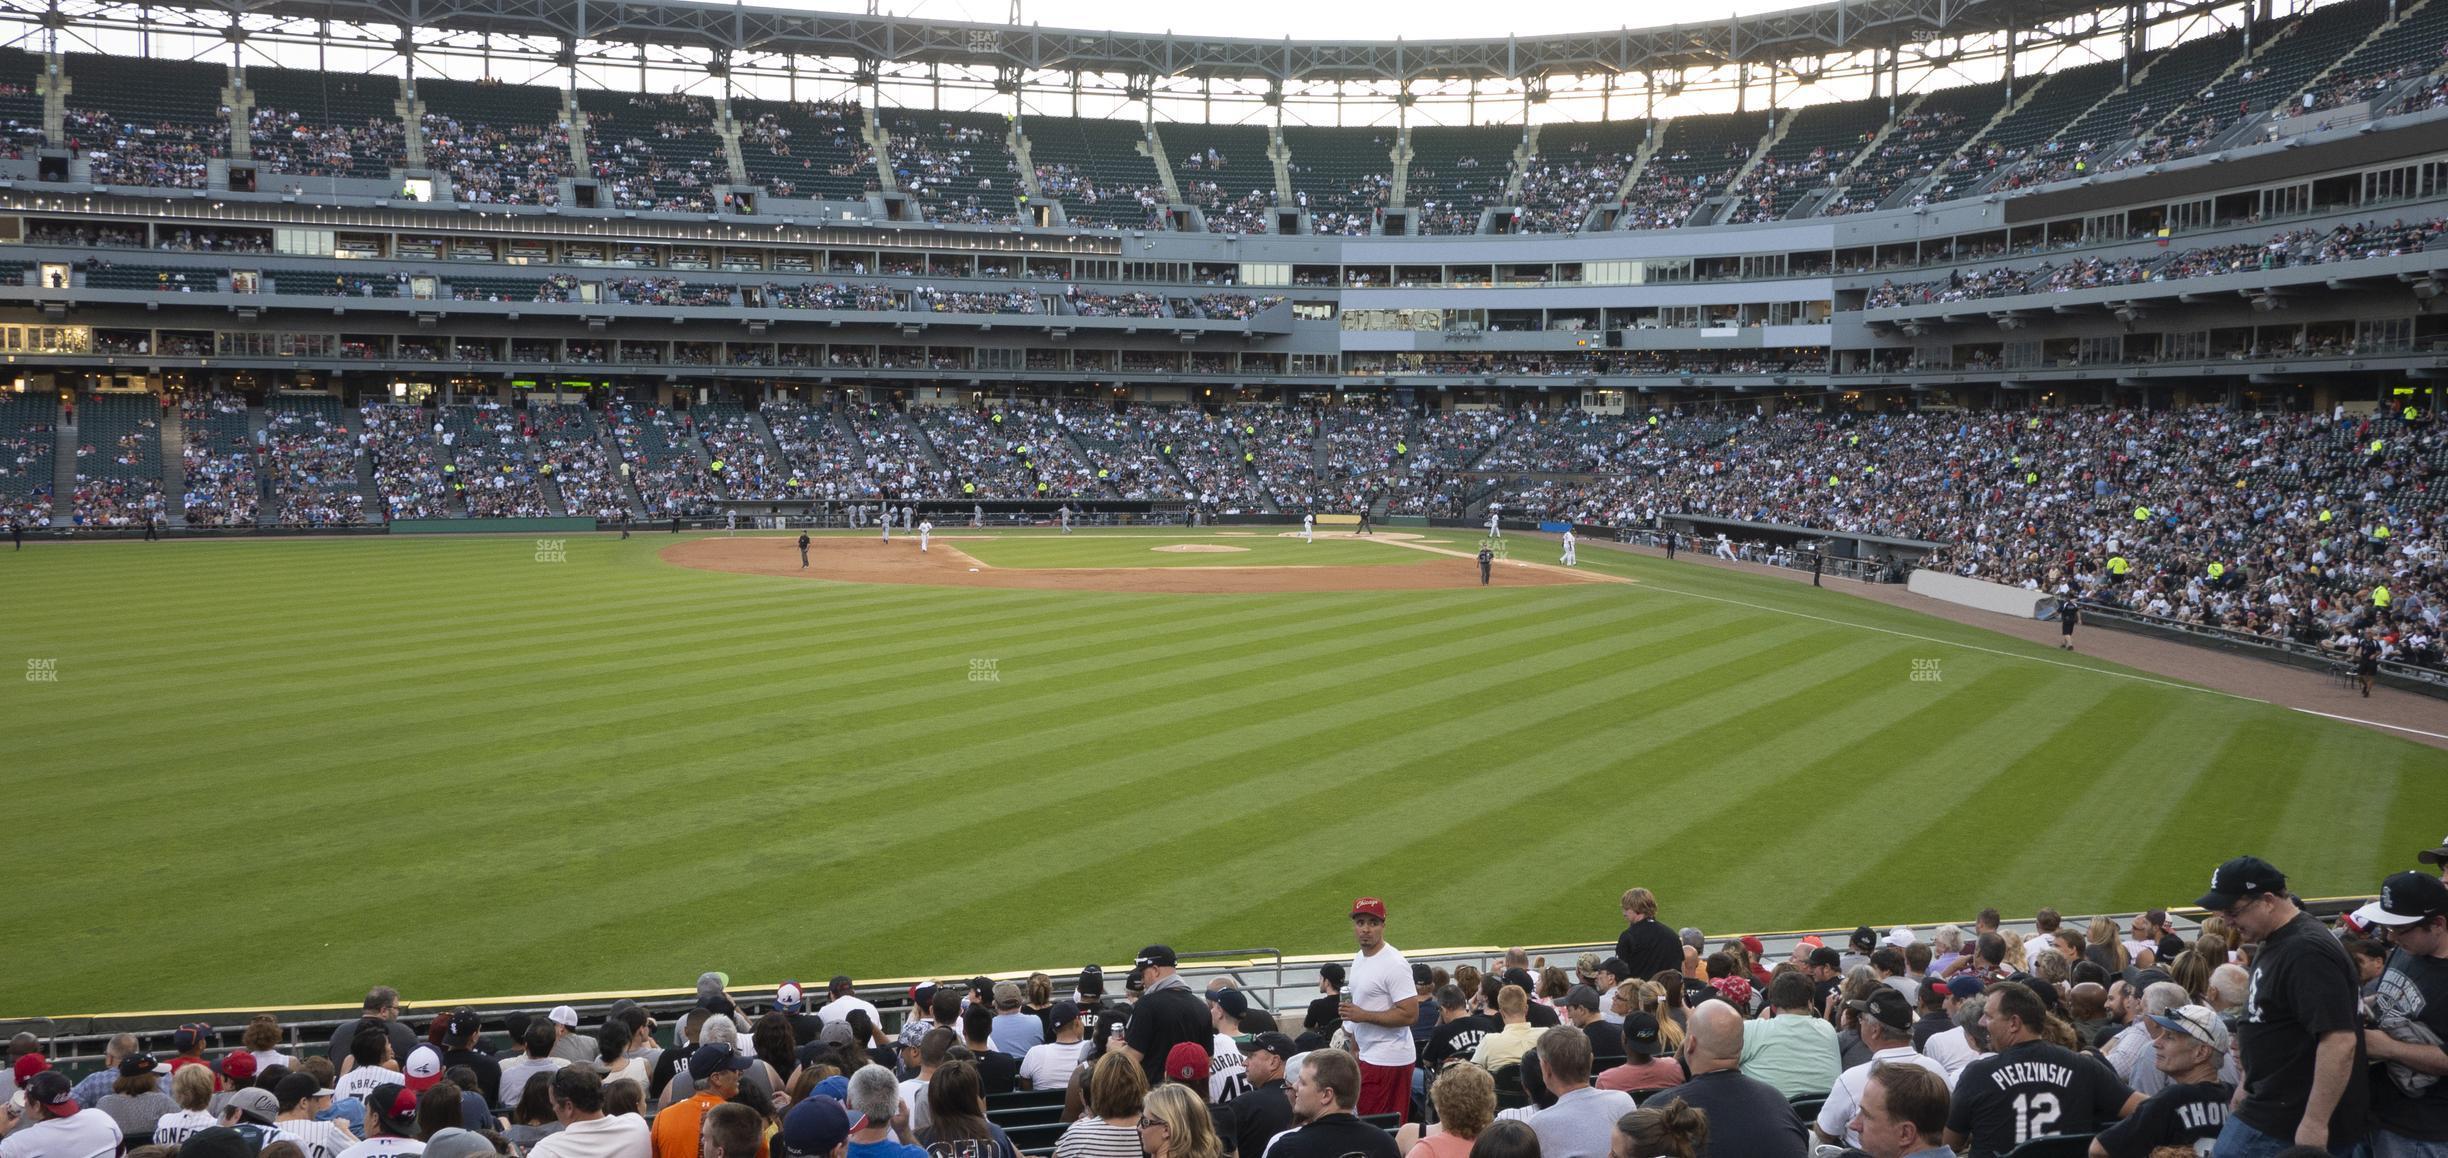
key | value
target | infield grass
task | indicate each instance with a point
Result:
(272, 772)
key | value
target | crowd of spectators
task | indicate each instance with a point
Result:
(1558, 191)
(498, 467)
(312, 457)
(942, 170)
(1092, 304)
(2298, 247)
(739, 456)
(672, 170)
(410, 448)
(896, 462)
(488, 165)
(219, 459)
(664, 290)
(660, 456)
(166, 154)
(573, 446)
(286, 142)
(1008, 450)
(834, 118)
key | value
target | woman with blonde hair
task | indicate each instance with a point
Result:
(1465, 1101)
(1117, 1095)
(192, 1088)
(1174, 1124)
(2106, 947)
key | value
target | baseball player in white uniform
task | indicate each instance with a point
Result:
(924, 529)
(1725, 550)
(886, 523)
(1570, 560)
(1495, 531)
(1066, 518)
(1308, 528)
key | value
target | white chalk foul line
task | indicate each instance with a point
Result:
(2373, 723)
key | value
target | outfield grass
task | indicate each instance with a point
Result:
(279, 771)
(1134, 549)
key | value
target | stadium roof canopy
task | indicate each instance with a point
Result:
(724, 30)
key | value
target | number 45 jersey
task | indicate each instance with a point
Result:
(2034, 1090)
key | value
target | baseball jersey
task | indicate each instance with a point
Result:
(2180, 1115)
(1226, 1077)
(2034, 1090)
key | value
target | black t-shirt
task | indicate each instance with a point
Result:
(488, 1074)
(1163, 1019)
(1336, 1136)
(1930, 1025)
(2302, 987)
(998, 1073)
(2417, 989)
(1747, 1118)
(1324, 1014)
(1543, 1017)
(2034, 1090)
(1649, 948)
(1260, 1113)
(2175, 1116)
(1605, 1038)
(1459, 1037)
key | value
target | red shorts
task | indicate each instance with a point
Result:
(1385, 1090)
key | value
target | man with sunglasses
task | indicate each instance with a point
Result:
(2186, 1045)
(2304, 1080)
(2409, 1012)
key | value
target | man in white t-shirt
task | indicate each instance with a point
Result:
(1226, 1078)
(844, 999)
(1379, 1006)
(1049, 1066)
(52, 1125)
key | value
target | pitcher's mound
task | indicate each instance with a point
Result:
(865, 560)
(1201, 549)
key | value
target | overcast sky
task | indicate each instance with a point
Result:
(1311, 20)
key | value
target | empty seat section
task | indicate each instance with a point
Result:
(1343, 176)
(21, 108)
(2408, 49)
(805, 149)
(1098, 169)
(2062, 97)
(1224, 170)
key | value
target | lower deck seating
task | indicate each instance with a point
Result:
(119, 462)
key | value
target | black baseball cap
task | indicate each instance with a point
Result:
(2241, 879)
(1274, 1043)
(1865, 938)
(1582, 997)
(1231, 1002)
(1421, 974)
(1092, 981)
(1621, 968)
(1063, 1012)
(2434, 855)
(1886, 1006)
(1332, 971)
(812, 1128)
(1158, 957)
(1640, 1033)
(2406, 898)
(1824, 956)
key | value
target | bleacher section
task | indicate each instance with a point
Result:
(412, 465)
(331, 282)
(29, 431)
(118, 466)
(153, 121)
(2316, 40)
(806, 149)
(160, 278)
(1343, 176)
(661, 450)
(1579, 167)
(321, 124)
(1427, 480)
(1823, 140)
(1279, 445)
(498, 469)
(466, 287)
(1205, 451)
(959, 165)
(1007, 452)
(2063, 96)
(749, 470)
(2095, 137)
(1922, 141)
(896, 462)
(220, 460)
(652, 150)
(573, 446)
(819, 452)
(500, 144)
(1129, 461)
(1224, 170)
(1457, 171)
(2409, 48)
(1095, 168)
(1694, 160)
(21, 108)
(313, 462)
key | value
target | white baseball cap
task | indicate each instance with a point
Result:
(563, 1015)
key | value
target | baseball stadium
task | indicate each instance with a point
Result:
(541, 532)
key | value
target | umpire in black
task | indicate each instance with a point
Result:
(1487, 564)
